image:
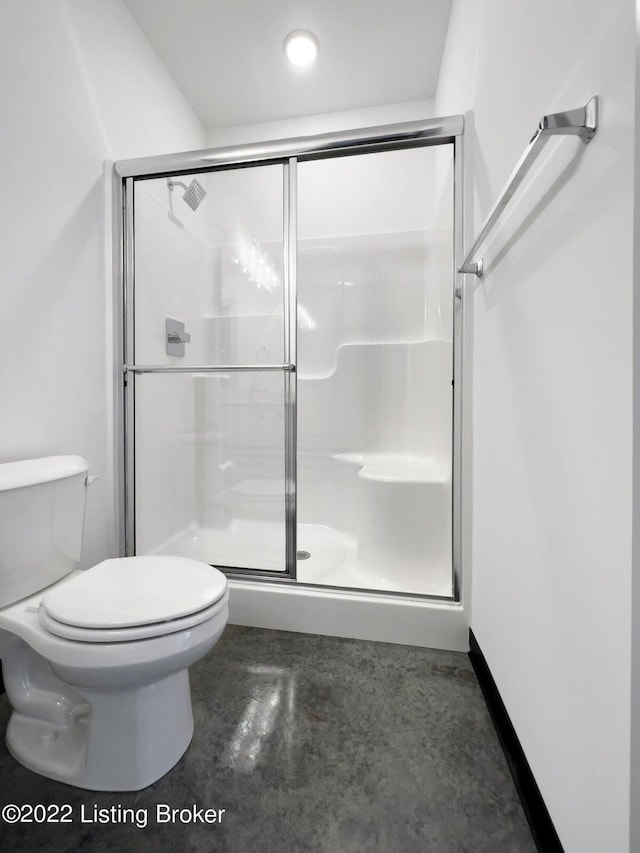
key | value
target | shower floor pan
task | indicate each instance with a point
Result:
(333, 557)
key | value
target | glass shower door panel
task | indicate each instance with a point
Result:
(209, 467)
(375, 370)
(210, 258)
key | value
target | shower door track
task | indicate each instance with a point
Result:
(288, 152)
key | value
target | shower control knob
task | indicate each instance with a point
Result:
(178, 338)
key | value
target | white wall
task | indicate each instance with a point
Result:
(323, 123)
(79, 84)
(552, 422)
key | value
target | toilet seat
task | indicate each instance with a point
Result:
(133, 598)
(123, 635)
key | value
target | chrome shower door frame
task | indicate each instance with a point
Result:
(288, 152)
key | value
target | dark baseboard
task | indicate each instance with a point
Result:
(542, 828)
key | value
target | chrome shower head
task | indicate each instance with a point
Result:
(193, 194)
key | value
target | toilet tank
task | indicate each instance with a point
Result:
(42, 505)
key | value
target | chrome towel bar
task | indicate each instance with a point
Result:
(582, 122)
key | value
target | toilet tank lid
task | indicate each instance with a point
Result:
(32, 472)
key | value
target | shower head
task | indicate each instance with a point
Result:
(193, 194)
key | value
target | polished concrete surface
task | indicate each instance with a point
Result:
(308, 743)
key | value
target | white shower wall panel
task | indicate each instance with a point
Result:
(374, 464)
(381, 397)
(172, 267)
(429, 399)
(379, 193)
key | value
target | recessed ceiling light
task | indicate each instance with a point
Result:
(301, 48)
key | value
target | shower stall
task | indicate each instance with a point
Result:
(291, 341)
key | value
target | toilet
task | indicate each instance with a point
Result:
(95, 662)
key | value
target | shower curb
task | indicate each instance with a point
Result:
(542, 828)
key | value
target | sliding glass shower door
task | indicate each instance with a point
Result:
(292, 367)
(375, 370)
(210, 380)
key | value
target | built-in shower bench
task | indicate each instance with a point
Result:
(397, 467)
(403, 527)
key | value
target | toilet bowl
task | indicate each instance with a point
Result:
(96, 663)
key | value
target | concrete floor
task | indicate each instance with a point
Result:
(309, 743)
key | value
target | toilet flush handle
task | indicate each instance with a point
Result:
(91, 479)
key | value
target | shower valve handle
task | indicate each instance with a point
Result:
(178, 337)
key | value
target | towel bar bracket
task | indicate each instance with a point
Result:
(582, 122)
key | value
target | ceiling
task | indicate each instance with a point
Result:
(227, 58)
